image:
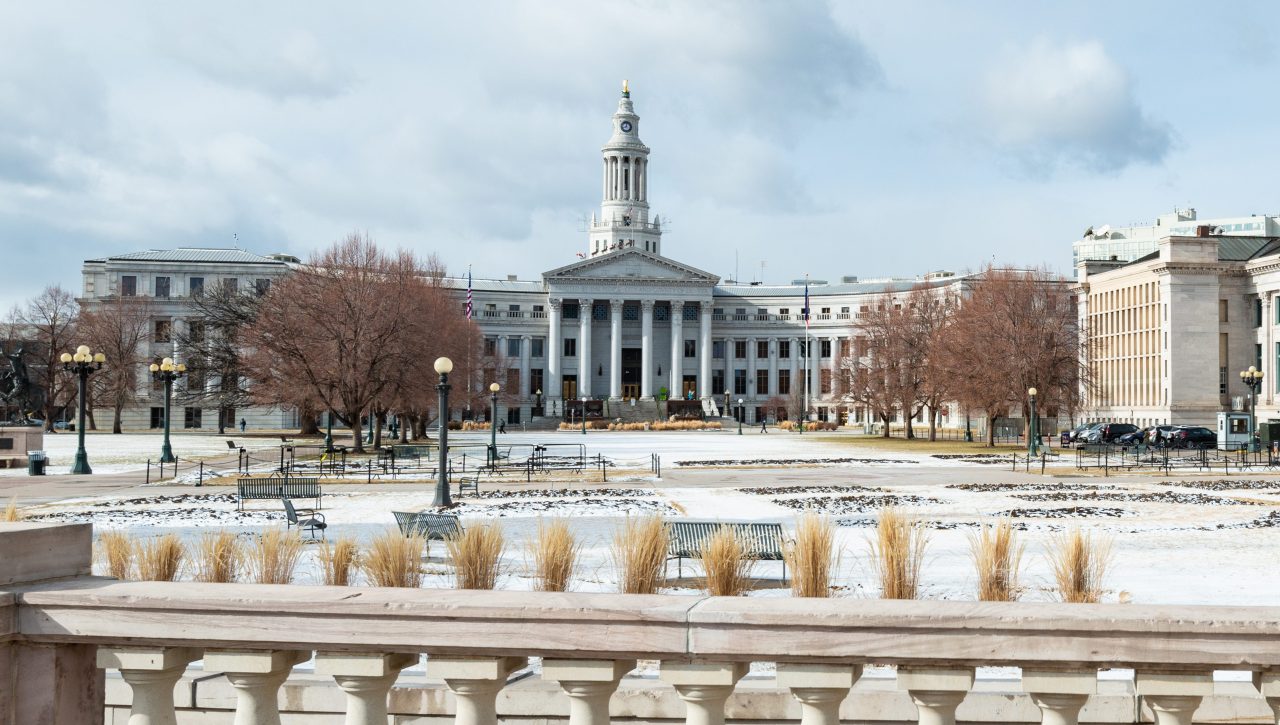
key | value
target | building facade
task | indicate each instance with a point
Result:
(1127, 243)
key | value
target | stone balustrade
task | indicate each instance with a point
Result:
(59, 629)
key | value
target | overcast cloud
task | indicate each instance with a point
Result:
(867, 138)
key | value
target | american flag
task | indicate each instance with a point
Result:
(805, 310)
(468, 293)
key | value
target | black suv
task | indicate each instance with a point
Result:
(1107, 432)
(1192, 436)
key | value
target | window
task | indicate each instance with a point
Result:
(860, 346)
(570, 347)
(661, 314)
(599, 311)
(784, 382)
(157, 417)
(784, 349)
(826, 310)
(535, 379)
(739, 382)
(163, 331)
(631, 312)
(717, 382)
(261, 286)
(740, 349)
(513, 347)
(762, 349)
(513, 380)
(1222, 380)
(844, 310)
(196, 286)
(717, 349)
(762, 382)
(539, 308)
(162, 287)
(824, 381)
(195, 380)
(1257, 313)
(690, 313)
(490, 346)
(570, 311)
(191, 417)
(128, 285)
(538, 349)
(784, 310)
(804, 347)
(690, 348)
(1222, 311)
(824, 347)
(231, 285)
(513, 308)
(195, 330)
(1257, 356)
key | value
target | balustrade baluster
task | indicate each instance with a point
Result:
(1268, 684)
(704, 687)
(152, 673)
(366, 678)
(819, 688)
(257, 677)
(1173, 697)
(936, 692)
(589, 684)
(475, 683)
(1059, 693)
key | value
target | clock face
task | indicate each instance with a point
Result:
(626, 127)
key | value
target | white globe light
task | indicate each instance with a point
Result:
(83, 350)
(444, 365)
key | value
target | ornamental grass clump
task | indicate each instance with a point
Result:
(1080, 563)
(11, 512)
(115, 551)
(725, 563)
(555, 556)
(897, 553)
(812, 556)
(337, 560)
(640, 554)
(477, 556)
(393, 560)
(274, 557)
(160, 559)
(218, 557)
(997, 556)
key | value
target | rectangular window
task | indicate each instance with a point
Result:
(690, 313)
(196, 286)
(490, 346)
(690, 348)
(740, 349)
(599, 311)
(784, 349)
(824, 381)
(191, 417)
(661, 314)
(717, 382)
(195, 380)
(163, 331)
(824, 347)
(513, 308)
(162, 286)
(631, 312)
(1222, 380)
(261, 286)
(513, 380)
(804, 348)
(739, 382)
(784, 310)
(784, 382)
(825, 311)
(128, 285)
(1257, 356)
(513, 347)
(535, 380)
(717, 349)
(195, 331)
(570, 347)
(1222, 311)
(157, 417)
(570, 311)
(1257, 313)
(538, 348)
(762, 349)
(762, 382)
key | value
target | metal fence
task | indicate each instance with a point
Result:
(1119, 457)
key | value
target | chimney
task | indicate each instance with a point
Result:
(1203, 230)
(511, 278)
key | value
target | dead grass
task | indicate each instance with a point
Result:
(555, 556)
(997, 556)
(11, 512)
(725, 563)
(897, 553)
(338, 559)
(219, 557)
(477, 556)
(274, 556)
(812, 556)
(1080, 563)
(115, 550)
(394, 560)
(640, 554)
(160, 559)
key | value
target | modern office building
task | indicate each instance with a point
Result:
(1127, 243)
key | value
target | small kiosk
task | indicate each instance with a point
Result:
(1233, 431)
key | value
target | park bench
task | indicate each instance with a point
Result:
(411, 450)
(763, 541)
(248, 489)
(437, 527)
(469, 483)
(308, 520)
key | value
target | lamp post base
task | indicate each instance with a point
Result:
(166, 454)
(81, 464)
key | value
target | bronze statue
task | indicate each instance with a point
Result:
(16, 387)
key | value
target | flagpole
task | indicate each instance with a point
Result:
(808, 354)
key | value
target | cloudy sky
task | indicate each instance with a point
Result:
(866, 138)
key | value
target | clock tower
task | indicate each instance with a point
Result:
(624, 213)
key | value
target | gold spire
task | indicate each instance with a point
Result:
(626, 88)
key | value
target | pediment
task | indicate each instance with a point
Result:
(630, 266)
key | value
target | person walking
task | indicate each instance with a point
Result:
(502, 426)
(242, 425)
(764, 425)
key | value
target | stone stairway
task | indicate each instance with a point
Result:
(642, 412)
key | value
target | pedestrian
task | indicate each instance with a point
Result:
(502, 426)
(242, 425)
(764, 422)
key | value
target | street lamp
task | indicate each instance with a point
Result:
(166, 372)
(538, 401)
(1033, 432)
(1253, 380)
(328, 431)
(584, 415)
(83, 363)
(493, 424)
(742, 413)
(444, 366)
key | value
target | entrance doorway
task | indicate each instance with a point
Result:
(631, 372)
(689, 386)
(569, 387)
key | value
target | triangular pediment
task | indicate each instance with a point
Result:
(630, 266)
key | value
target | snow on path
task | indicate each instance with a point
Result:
(725, 503)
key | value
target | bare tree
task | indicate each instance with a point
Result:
(51, 318)
(118, 328)
(213, 350)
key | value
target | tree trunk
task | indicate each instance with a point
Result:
(377, 421)
(886, 419)
(308, 422)
(404, 420)
(933, 425)
(115, 421)
(908, 416)
(357, 438)
(991, 433)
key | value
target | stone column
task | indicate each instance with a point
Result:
(704, 687)
(1268, 351)
(677, 349)
(835, 364)
(793, 365)
(646, 349)
(605, 191)
(475, 683)
(1173, 698)
(936, 692)
(704, 349)
(526, 351)
(1059, 694)
(152, 673)
(366, 678)
(819, 688)
(615, 349)
(554, 345)
(257, 677)
(773, 366)
(584, 348)
(589, 685)
(752, 362)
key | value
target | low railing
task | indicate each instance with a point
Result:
(60, 631)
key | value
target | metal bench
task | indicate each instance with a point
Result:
(308, 520)
(410, 450)
(763, 541)
(248, 489)
(434, 527)
(469, 483)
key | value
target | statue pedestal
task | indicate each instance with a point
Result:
(16, 441)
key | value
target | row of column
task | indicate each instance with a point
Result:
(526, 346)
(793, 364)
(705, 687)
(625, 178)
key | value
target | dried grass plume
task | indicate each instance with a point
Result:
(997, 556)
(640, 554)
(160, 559)
(337, 560)
(897, 553)
(1080, 563)
(555, 556)
(115, 550)
(218, 557)
(812, 556)
(393, 560)
(477, 556)
(274, 557)
(726, 563)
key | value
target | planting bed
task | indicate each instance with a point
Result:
(853, 504)
(1194, 499)
(764, 462)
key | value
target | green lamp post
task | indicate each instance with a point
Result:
(1033, 430)
(493, 424)
(83, 364)
(166, 372)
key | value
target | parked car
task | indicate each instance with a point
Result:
(1192, 436)
(1107, 432)
(1158, 435)
(1135, 437)
(1070, 436)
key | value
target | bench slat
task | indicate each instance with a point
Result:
(763, 541)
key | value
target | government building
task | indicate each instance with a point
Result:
(624, 330)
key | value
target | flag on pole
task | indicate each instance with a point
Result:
(805, 310)
(468, 293)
